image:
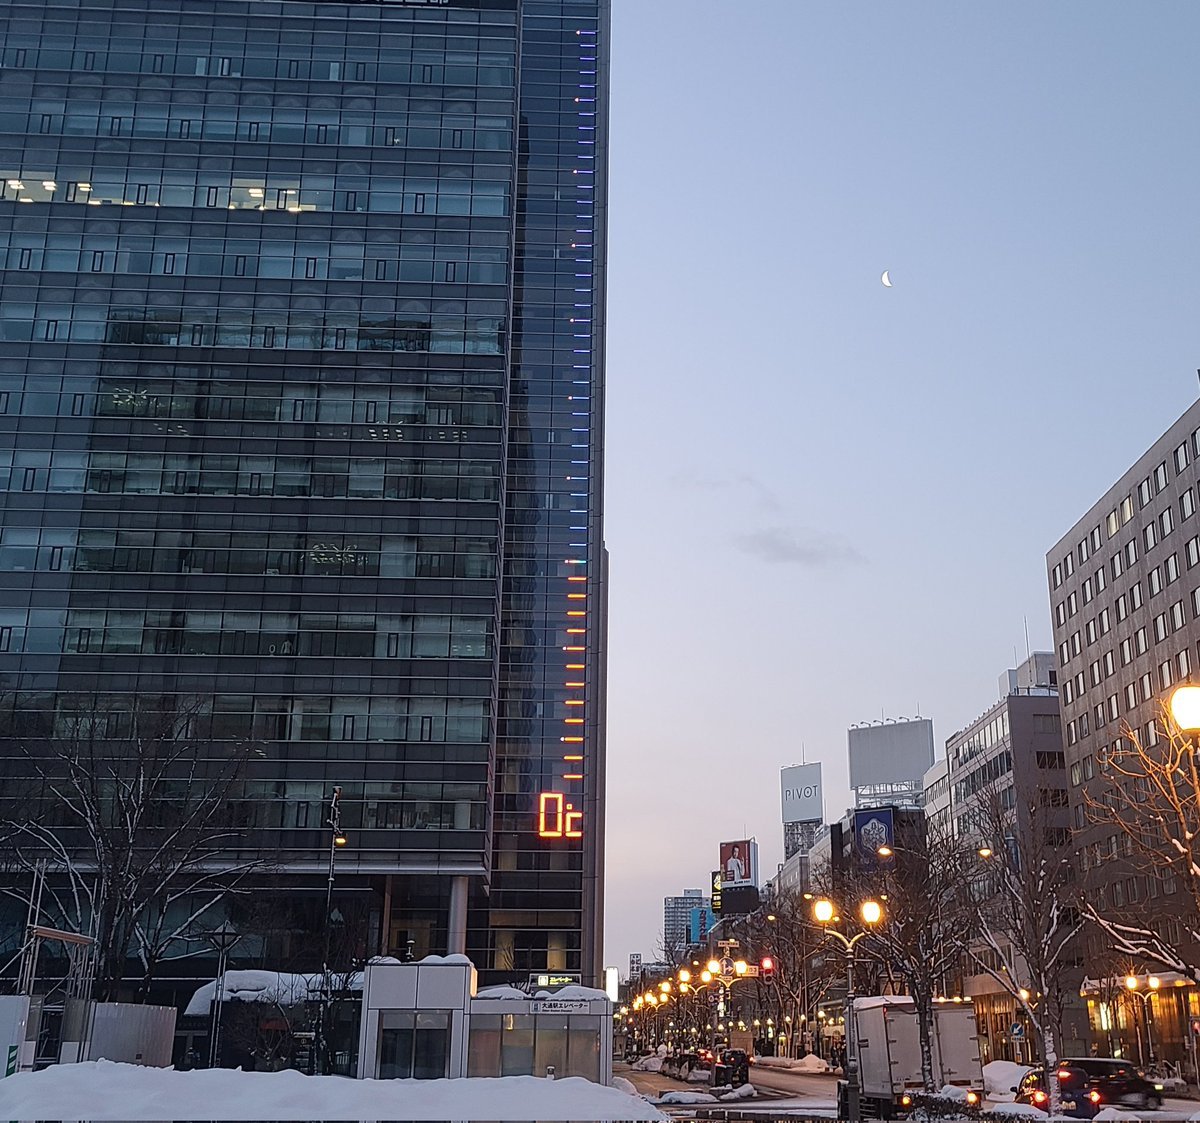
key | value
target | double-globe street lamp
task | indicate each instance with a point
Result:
(1132, 983)
(695, 998)
(870, 912)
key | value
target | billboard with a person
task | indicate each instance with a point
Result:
(739, 863)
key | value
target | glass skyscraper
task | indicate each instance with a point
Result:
(301, 389)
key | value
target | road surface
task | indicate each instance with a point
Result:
(816, 1091)
(820, 1088)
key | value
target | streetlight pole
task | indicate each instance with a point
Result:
(1131, 984)
(336, 839)
(871, 913)
(222, 938)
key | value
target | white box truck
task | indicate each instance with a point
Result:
(889, 1053)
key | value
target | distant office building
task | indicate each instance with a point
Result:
(937, 798)
(792, 877)
(1125, 597)
(888, 762)
(677, 918)
(1012, 753)
(1009, 759)
(820, 855)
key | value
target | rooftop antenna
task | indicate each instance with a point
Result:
(802, 760)
(1028, 653)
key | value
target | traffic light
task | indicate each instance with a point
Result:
(767, 970)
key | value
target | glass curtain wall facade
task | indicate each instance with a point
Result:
(300, 392)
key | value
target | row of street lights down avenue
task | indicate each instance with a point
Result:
(689, 994)
(692, 1007)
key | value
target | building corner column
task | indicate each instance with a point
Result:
(456, 937)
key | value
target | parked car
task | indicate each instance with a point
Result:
(1079, 1098)
(1119, 1082)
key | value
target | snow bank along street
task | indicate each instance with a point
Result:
(102, 1090)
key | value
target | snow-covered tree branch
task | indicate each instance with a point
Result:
(135, 816)
(927, 922)
(1146, 797)
(1028, 920)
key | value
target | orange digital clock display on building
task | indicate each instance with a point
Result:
(557, 818)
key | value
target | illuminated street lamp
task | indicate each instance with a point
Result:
(870, 913)
(1147, 996)
(1185, 708)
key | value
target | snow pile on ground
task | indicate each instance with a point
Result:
(103, 1090)
(1015, 1110)
(745, 1092)
(649, 1064)
(1001, 1077)
(953, 1092)
(699, 1076)
(808, 1063)
(687, 1098)
(626, 1086)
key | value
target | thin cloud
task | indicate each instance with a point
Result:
(779, 545)
(767, 499)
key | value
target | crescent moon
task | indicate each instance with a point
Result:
(887, 283)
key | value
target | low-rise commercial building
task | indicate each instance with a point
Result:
(427, 1020)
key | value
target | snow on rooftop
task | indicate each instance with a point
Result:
(574, 992)
(282, 988)
(103, 1090)
(285, 988)
(502, 992)
(875, 1001)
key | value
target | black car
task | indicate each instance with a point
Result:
(1079, 1098)
(732, 1068)
(1119, 1082)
